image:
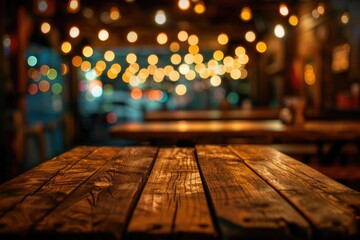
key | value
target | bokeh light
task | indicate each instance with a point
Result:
(45, 27)
(32, 61)
(103, 35)
(87, 51)
(44, 86)
(131, 58)
(52, 74)
(183, 4)
(283, 9)
(182, 36)
(215, 81)
(109, 55)
(114, 13)
(175, 59)
(111, 118)
(56, 88)
(74, 32)
(250, 36)
(76, 61)
(218, 55)
(152, 59)
(66, 47)
(293, 20)
(279, 31)
(162, 38)
(160, 17)
(132, 36)
(33, 88)
(193, 39)
(199, 8)
(73, 6)
(261, 47)
(174, 47)
(246, 14)
(240, 50)
(180, 89)
(223, 39)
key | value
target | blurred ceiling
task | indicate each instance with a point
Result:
(220, 16)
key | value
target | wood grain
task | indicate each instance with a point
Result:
(173, 204)
(101, 207)
(246, 206)
(332, 208)
(16, 189)
(37, 203)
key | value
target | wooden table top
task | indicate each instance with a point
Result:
(205, 192)
(315, 129)
(213, 114)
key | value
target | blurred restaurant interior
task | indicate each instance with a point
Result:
(72, 69)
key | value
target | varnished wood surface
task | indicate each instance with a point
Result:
(173, 201)
(220, 129)
(40, 195)
(17, 189)
(206, 192)
(101, 207)
(245, 205)
(319, 198)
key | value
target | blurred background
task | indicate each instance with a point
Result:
(71, 69)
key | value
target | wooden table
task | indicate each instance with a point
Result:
(221, 130)
(205, 192)
(325, 140)
(214, 114)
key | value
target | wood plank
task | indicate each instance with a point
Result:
(246, 206)
(16, 189)
(35, 205)
(101, 207)
(332, 208)
(173, 204)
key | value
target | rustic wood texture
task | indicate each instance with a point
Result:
(44, 193)
(101, 207)
(173, 204)
(230, 192)
(15, 190)
(246, 206)
(332, 209)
